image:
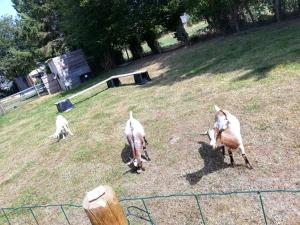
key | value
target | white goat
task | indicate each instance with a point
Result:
(227, 131)
(135, 135)
(62, 128)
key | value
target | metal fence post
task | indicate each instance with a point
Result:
(30, 209)
(262, 208)
(7, 220)
(149, 215)
(62, 209)
(200, 210)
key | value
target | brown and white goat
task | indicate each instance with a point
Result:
(135, 135)
(227, 132)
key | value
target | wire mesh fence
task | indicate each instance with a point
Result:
(13, 101)
(138, 211)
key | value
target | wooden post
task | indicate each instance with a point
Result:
(103, 208)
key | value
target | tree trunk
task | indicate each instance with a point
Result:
(249, 12)
(181, 34)
(282, 8)
(103, 208)
(135, 48)
(118, 56)
(276, 5)
(107, 62)
(235, 17)
(153, 44)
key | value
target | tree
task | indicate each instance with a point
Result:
(172, 10)
(97, 27)
(39, 21)
(15, 59)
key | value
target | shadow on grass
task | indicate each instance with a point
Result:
(92, 96)
(126, 155)
(213, 161)
(258, 73)
(250, 51)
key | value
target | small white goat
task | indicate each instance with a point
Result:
(227, 131)
(62, 128)
(135, 135)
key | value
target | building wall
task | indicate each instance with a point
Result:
(21, 83)
(51, 83)
(69, 67)
(55, 71)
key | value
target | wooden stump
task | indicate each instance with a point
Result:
(141, 78)
(103, 208)
(115, 82)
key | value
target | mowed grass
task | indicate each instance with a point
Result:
(255, 75)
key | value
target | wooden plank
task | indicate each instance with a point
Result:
(104, 81)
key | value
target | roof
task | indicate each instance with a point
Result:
(36, 72)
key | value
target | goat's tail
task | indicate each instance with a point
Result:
(130, 115)
(130, 120)
(217, 108)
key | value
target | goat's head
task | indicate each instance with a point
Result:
(211, 134)
(58, 135)
(221, 121)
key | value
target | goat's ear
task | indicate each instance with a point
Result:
(217, 108)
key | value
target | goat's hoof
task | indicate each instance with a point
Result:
(138, 171)
(249, 167)
(148, 159)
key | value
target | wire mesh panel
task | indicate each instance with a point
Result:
(232, 209)
(280, 207)
(76, 215)
(136, 212)
(179, 210)
(13, 101)
(19, 216)
(50, 215)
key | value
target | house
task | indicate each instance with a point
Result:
(70, 69)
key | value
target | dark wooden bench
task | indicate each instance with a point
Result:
(140, 77)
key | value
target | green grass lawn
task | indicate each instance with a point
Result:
(255, 75)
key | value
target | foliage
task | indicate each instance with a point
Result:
(39, 21)
(229, 15)
(47, 28)
(15, 58)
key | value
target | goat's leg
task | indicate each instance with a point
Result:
(144, 144)
(131, 144)
(145, 140)
(68, 130)
(247, 161)
(231, 157)
(139, 161)
(223, 150)
(245, 157)
(146, 154)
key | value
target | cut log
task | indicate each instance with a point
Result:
(103, 208)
